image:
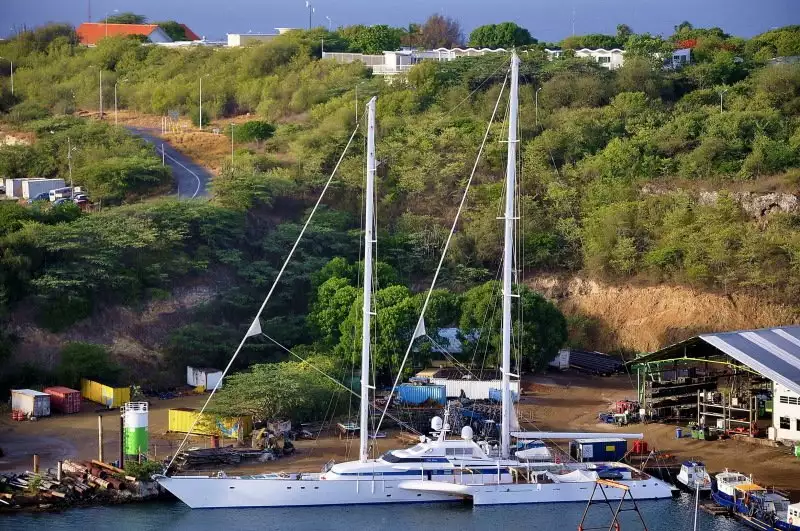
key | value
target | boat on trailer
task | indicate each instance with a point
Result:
(438, 469)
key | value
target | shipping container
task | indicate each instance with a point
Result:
(32, 403)
(598, 449)
(33, 187)
(496, 395)
(64, 400)
(105, 394)
(181, 420)
(421, 394)
(473, 389)
(207, 378)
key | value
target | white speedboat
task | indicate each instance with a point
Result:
(693, 477)
(437, 469)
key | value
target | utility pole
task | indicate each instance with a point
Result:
(721, 95)
(201, 103)
(69, 160)
(116, 119)
(537, 106)
(310, 12)
(232, 124)
(12, 74)
(100, 438)
(101, 92)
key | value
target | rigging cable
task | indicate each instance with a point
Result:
(256, 324)
(446, 246)
(331, 378)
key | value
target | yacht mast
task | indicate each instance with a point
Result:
(369, 241)
(508, 256)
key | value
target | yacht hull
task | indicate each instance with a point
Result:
(211, 492)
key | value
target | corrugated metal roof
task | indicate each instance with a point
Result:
(772, 352)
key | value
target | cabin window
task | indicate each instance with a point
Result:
(459, 452)
(798, 424)
(785, 423)
(603, 59)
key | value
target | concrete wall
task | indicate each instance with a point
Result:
(243, 39)
(786, 405)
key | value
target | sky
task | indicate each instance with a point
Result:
(547, 20)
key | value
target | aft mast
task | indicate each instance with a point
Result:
(508, 256)
(369, 241)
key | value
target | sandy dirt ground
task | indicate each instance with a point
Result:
(564, 401)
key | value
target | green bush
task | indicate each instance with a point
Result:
(86, 360)
(252, 131)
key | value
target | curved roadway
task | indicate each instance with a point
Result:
(192, 179)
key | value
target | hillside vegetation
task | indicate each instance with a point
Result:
(591, 156)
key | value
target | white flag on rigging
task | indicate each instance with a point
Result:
(255, 328)
(420, 331)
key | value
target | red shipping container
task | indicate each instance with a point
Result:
(64, 399)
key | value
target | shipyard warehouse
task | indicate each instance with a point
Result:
(744, 384)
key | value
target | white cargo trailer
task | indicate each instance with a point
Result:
(32, 403)
(207, 378)
(14, 188)
(33, 187)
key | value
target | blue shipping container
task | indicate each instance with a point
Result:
(598, 449)
(495, 395)
(419, 394)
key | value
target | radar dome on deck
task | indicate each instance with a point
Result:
(466, 433)
(437, 423)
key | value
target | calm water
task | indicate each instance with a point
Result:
(665, 515)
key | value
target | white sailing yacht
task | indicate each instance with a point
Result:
(437, 469)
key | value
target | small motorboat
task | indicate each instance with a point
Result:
(694, 478)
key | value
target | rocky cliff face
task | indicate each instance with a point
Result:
(757, 205)
(645, 318)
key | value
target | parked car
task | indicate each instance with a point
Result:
(80, 198)
(61, 201)
(44, 196)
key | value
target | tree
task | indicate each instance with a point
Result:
(290, 389)
(623, 32)
(334, 301)
(437, 32)
(174, 29)
(86, 360)
(540, 327)
(125, 18)
(504, 35)
(371, 39)
(397, 312)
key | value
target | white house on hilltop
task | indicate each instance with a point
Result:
(392, 63)
(615, 57)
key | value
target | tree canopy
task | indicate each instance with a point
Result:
(504, 35)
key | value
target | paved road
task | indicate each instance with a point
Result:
(192, 179)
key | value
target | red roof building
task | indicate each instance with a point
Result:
(190, 35)
(90, 33)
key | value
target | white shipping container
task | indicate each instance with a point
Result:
(33, 187)
(473, 389)
(207, 378)
(14, 188)
(32, 403)
(561, 361)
